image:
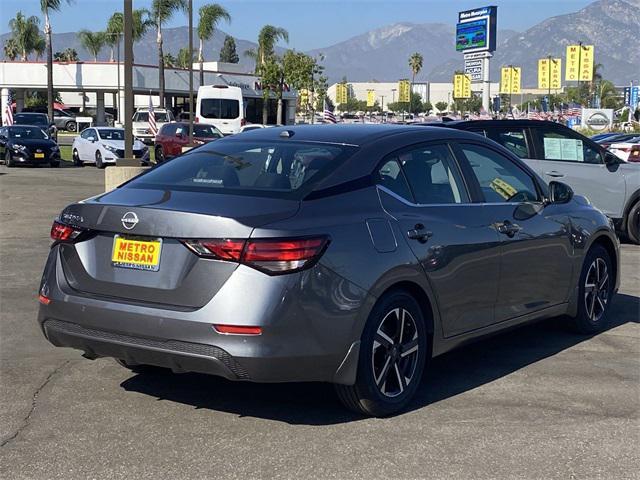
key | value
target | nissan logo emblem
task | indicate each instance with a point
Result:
(129, 220)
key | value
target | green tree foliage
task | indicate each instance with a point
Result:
(442, 106)
(183, 60)
(161, 13)
(228, 52)
(415, 63)
(25, 31)
(93, 42)
(11, 49)
(210, 15)
(67, 55)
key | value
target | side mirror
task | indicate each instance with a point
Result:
(559, 193)
(610, 159)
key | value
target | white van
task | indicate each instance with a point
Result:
(222, 106)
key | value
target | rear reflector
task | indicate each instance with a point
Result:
(270, 255)
(44, 300)
(238, 330)
(61, 232)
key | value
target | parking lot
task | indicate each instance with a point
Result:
(536, 402)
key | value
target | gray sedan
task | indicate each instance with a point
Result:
(349, 254)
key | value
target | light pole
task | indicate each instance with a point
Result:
(191, 73)
(128, 78)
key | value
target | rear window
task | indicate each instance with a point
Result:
(159, 116)
(272, 169)
(222, 108)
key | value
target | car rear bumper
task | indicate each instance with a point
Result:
(305, 336)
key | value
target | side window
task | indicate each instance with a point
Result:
(500, 179)
(513, 140)
(86, 134)
(559, 145)
(433, 175)
(390, 176)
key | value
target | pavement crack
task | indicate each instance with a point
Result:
(34, 399)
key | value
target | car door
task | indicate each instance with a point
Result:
(453, 238)
(567, 156)
(85, 150)
(536, 255)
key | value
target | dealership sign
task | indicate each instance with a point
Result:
(476, 30)
(473, 68)
(597, 118)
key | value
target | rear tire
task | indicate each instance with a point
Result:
(76, 159)
(393, 352)
(142, 369)
(8, 161)
(160, 155)
(99, 162)
(633, 223)
(594, 292)
(71, 126)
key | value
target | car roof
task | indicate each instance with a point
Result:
(464, 124)
(107, 128)
(343, 134)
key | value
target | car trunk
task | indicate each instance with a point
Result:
(182, 278)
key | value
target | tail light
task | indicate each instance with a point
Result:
(61, 232)
(273, 256)
(197, 119)
(243, 122)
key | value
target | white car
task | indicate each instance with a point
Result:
(629, 150)
(251, 126)
(104, 145)
(141, 123)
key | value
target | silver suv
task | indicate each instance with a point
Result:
(556, 152)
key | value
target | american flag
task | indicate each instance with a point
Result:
(7, 115)
(153, 127)
(328, 113)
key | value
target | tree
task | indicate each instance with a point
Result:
(304, 72)
(40, 47)
(266, 65)
(183, 60)
(169, 60)
(228, 52)
(210, 15)
(442, 106)
(415, 62)
(46, 6)
(93, 42)
(68, 55)
(162, 11)
(141, 20)
(11, 49)
(115, 28)
(25, 32)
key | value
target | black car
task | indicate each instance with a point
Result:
(38, 119)
(27, 145)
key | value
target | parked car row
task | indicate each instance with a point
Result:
(28, 145)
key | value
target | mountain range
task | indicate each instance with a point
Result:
(382, 54)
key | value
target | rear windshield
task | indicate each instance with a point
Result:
(222, 108)
(33, 119)
(271, 169)
(144, 117)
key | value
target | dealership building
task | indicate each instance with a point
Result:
(100, 85)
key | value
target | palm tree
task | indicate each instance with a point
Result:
(162, 11)
(11, 49)
(267, 39)
(46, 6)
(415, 62)
(39, 47)
(183, 60)
(142, 21)
(25, 33)
(93, 42)
(169, 60)
(210, 15)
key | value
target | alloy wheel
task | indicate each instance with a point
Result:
(395, 352)
(596, 289)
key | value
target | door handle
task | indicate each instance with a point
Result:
(554, 173)
(419, 233)
(507, 228)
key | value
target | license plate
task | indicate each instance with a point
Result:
(137, 254)
(39, 155)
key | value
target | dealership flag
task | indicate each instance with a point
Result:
(153, 127)
(328, 113)
(8, 112)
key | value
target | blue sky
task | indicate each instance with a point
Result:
(311, 23)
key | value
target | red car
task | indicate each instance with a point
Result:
(173, 137)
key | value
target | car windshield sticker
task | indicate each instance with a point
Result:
(563, 149)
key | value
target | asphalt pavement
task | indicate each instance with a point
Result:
(534, 403)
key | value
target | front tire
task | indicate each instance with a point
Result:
(159, 155)
(633, 223)
(99, 162)
(76, 159)
(594, 292)
(393, 352)
(8, 161)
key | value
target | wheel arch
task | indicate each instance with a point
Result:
(610, 246)
(633, 199)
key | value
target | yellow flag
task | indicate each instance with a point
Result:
(515, 79)
(573, 63)
(556, 73)
(404, 91)
(371, 98)
(544, 74)
(586, 63)
(341, 93)
(505, 80)
(461, 86)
